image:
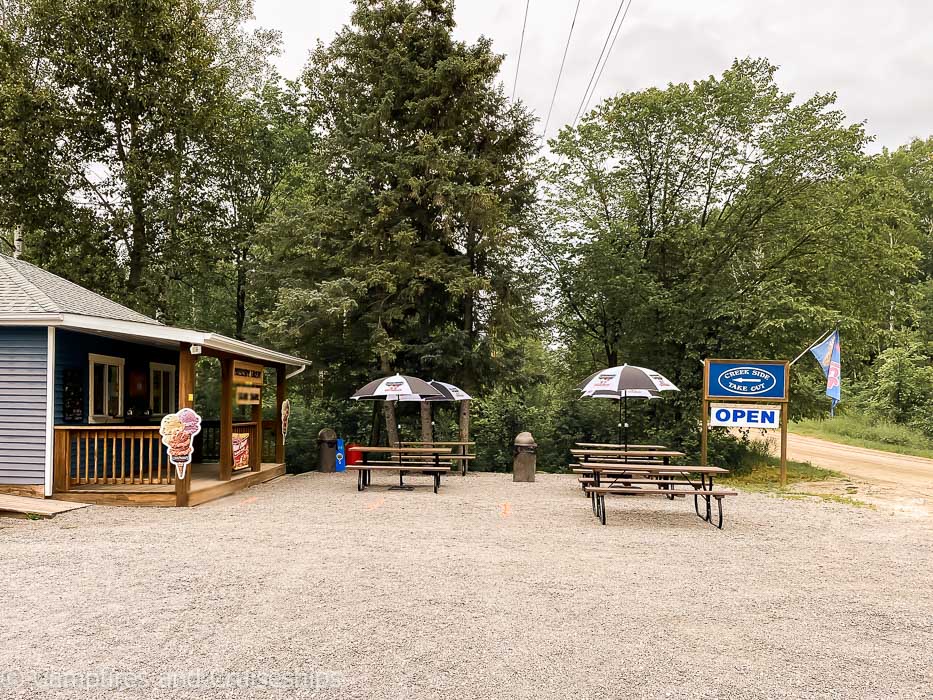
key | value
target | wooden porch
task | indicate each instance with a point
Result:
(205, 485)
(118, 464)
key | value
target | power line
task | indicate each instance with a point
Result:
(608, 53)
(521, 45)
(602, 51)
(561, 71)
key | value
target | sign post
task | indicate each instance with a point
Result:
(742, 382)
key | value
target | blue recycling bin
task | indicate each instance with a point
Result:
(341, 456)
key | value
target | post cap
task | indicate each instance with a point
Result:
(525, 439)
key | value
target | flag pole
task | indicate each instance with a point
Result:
(814, 344)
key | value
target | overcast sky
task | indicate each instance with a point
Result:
(878, 56)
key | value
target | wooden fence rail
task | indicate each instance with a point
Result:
(110, 455)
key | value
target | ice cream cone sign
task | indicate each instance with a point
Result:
(286, 412)
(178, 431)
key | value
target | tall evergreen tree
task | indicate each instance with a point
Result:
(398, 248)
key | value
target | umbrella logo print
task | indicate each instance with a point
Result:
(747, 381)
(393, 386)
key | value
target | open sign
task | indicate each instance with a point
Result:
(745, 417)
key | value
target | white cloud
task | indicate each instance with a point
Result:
(878, 57)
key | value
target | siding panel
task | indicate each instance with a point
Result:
(23, 366)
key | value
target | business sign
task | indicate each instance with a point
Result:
(748, 380)
(248, 396)
(748, 416)
(247, 373)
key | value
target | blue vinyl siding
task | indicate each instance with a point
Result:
(23, 366)
(72, 350)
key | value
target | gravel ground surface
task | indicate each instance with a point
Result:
(489, 590)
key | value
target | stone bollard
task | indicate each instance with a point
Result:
(526, 458)
(327, 450)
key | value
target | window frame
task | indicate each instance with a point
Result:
(173, 398)
(106, 361)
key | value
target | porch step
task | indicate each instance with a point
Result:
(24, 507)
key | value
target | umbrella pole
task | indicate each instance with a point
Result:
(625, 421)
(619, 440)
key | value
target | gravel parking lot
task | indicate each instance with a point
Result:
(305, 588)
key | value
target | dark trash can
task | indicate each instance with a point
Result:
(327, 450)
(525, 460)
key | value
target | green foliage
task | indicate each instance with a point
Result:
(396, 244)
(871, 432)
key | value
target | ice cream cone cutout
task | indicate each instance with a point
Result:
(286, 412)
(178, 431)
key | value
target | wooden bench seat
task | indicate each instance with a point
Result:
(599, 493)
(364, 473)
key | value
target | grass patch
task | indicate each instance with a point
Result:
(861, 431)
(765, 477)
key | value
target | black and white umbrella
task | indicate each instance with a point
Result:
(397, 388)
(622, 383)
(446, 392)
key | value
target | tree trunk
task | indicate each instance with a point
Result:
(17, 242)
(388, 410)
(427, 434)
(240, 294)
(465, 421)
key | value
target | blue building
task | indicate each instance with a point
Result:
(85, 382)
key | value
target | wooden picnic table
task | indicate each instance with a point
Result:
(402, 465)
(670, 480)
(614, 446)
(463, 455)
(623, 454)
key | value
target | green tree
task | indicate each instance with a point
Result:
(722, 218)
(398, 247)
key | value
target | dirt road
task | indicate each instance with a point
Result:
(901, 482)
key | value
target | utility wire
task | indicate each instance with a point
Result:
(608, 53)
(602, 51)
(521, 45)
(547, 121)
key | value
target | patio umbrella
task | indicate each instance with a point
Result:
(446, 392)
(623, 382)
(396, 388)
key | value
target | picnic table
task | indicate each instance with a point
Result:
(423, 460)
(463, 456)
(586, 455)
(615, 446)
(671, 481)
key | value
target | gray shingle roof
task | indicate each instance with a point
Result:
(27, 289)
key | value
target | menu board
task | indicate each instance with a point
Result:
(247, 373)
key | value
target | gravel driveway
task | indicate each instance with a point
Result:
(305, 588)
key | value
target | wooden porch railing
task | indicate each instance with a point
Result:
(109, 455)
(207, 442)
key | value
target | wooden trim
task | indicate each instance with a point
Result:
(49, 413)
(27, 490)
(226, 418)
(185, 398)
(255, 451)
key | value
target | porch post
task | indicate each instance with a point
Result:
(255, 451)
(186, 363)
(280, 387)
(226, 419)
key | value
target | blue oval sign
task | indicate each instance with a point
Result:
(747, 381)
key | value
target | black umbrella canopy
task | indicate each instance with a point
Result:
(626, 377)
(391, 388)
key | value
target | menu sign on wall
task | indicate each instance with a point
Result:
(247, 373)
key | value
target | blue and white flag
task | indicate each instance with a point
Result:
(827, 354)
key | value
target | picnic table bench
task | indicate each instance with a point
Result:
(463, 456)
(407, 460)
(615, 446)
(672, 481)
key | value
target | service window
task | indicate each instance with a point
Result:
(161, 388)
(106, 388)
